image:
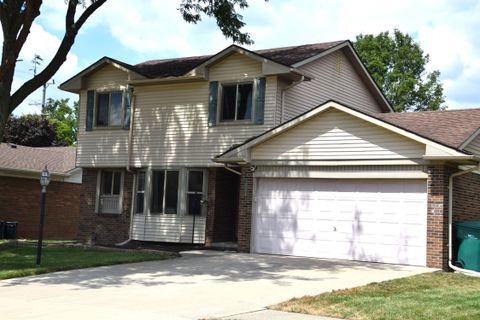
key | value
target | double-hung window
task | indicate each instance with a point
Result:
(164, 191)
(109, 109)
(140, 193)
(110, 191)
(237, 102)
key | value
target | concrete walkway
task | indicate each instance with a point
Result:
(203, 284)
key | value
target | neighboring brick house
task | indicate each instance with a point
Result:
(285, 151)
(20, 169)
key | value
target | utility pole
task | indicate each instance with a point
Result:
(44, 93)
(37, 61)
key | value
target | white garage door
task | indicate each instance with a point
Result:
(366, 220)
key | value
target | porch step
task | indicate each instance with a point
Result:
(233, 246)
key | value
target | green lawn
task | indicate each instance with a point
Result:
(19, 261)
(438, 295)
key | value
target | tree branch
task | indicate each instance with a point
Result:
(67, 42)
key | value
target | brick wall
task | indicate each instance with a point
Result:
(20, 201)
(100, 228)
(244, 230)
(437, 216)
(466, 197)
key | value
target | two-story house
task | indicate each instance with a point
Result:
(287, 151)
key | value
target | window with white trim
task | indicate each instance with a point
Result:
(140, 193)
(164, 191)
(236, 103)
(110, 191)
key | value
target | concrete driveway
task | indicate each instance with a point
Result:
(198, 285)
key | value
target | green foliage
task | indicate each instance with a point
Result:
(397, 64)
(64, 118)
(17, 261)
(31, 130)
(429, 296)
(228, 20)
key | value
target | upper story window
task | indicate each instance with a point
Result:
(237, 102)
(109, 109)
(241, 102)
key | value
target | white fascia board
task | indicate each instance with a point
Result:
(74, 84)
(328, 105)
(470, 139)
(329, 163)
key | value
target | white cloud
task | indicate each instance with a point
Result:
(449, 31)
(44, 44)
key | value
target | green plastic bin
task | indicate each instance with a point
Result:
(467, 234)
(469, 254)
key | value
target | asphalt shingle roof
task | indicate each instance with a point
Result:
(450, 127)
(180, 66)
(57, 159)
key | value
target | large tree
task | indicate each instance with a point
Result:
(64, 118)
(397, 64)
(32, 130)
(17, 16)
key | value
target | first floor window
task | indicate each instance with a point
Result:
(236, 102)
(164, 196)
(140, 193)
(110, 191)
(109, 109)
(195, 192)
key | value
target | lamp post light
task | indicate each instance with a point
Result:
(44, 181)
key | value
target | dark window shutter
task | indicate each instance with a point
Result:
(260, 100)
(212, 104)
(90, 107)
(127, 104)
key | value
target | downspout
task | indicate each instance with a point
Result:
(130, 133)
(293, 84)
(129, 155)
(450, 222)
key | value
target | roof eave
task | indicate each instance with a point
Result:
(75, 83)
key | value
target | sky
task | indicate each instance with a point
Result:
(136, 31)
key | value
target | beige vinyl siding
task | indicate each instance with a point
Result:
(334, 79)
(168, 228)
(235, 67)
(101, 147)
(171, 121)
(334, 135)
(474, 146)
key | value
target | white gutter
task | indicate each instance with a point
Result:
(131, 216)
(450, 221)
(293, 84)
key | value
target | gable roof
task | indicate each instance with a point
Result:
(59, 160)
(397, 122)
(451, 127)
(180, 66)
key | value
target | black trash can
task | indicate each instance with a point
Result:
(10, 230)
(2, 229)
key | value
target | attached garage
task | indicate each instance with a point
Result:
(356, 219)
(338, 183)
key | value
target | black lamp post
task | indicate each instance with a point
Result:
(44, 181)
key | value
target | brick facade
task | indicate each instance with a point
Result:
(437, 216)
(244, 230)
(20, 201)
(102, 228)
(466, 197)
